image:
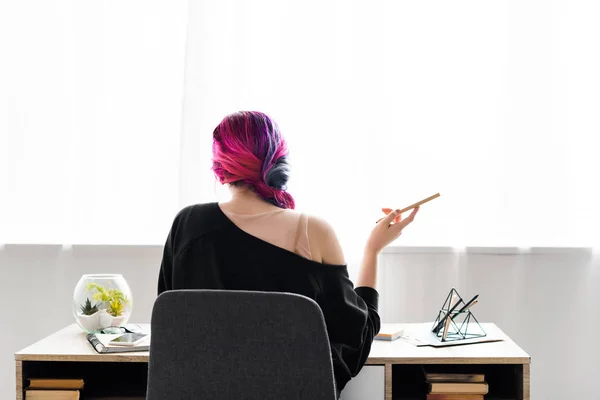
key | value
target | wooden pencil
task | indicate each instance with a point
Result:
(416, 204)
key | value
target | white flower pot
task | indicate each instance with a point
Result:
(118, 321)
(106, 320)
(90, 323)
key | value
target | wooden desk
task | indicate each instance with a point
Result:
(396, 365)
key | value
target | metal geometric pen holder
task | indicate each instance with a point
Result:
(463, 324)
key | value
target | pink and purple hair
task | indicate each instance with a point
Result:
(248, 149)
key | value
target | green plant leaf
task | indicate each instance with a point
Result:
(114, 298)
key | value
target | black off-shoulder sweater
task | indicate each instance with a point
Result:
(206, 250)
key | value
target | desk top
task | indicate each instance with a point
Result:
(70, 344)
(402, 352)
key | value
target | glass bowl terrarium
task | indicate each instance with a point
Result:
(102, 301)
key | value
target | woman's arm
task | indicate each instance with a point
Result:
(326, 248)
(386, 231)
(166, 266)
(351, 312)
(367, 275)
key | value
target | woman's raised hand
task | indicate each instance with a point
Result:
(388, 229)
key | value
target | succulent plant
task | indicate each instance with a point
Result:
(87, 308)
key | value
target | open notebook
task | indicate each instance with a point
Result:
(100, 343)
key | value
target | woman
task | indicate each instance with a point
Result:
(276, 248)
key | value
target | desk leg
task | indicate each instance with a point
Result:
(19, 370)
(523, 382)
(388, 381)
(526, 382)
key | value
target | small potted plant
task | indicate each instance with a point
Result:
(89, 317)
(101, 301)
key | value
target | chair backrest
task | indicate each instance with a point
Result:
(213, 344)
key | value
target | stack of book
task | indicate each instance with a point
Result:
(444, 386)
(53, 389)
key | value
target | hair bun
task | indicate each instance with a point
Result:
(278, 175)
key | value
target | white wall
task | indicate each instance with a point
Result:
(540, 298)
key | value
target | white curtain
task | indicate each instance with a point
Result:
(492, 104)
(90, 115)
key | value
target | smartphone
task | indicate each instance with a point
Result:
(128, 339)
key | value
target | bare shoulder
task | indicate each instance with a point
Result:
(324, 244)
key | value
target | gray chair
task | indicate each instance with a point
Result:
(213, 344)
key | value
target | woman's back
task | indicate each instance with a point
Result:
(207, 250)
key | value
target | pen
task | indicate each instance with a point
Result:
(446, 326)
(443, 320)
(475, 302)
(471, 303)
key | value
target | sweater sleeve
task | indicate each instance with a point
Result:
(166, 267)
(165, 275)
(351, 317)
